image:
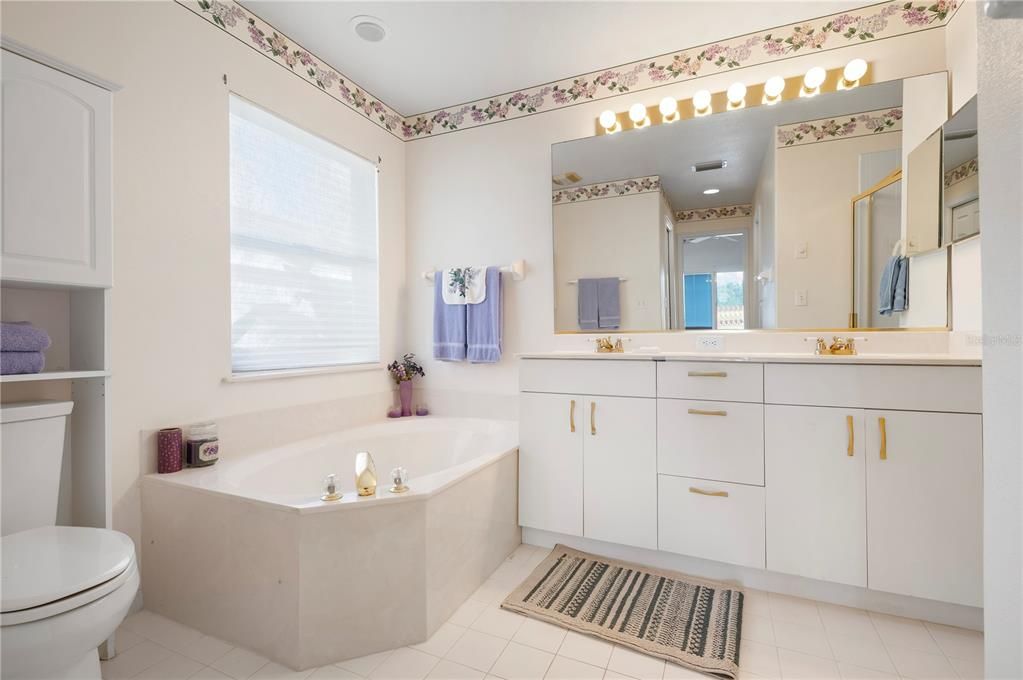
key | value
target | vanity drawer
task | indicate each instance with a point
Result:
(719, 381)
(711, 440)
(621, 378)
(727, 526)
(955, 389)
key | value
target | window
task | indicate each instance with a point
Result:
(713, 281)
(304, 256)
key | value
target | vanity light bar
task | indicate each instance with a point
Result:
(738, 95)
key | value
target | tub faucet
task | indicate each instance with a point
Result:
(365, 474)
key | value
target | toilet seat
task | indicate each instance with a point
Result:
(52, 570)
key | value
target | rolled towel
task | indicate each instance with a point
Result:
(16, 363)
(21, 336)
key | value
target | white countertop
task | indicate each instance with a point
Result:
(930, 359)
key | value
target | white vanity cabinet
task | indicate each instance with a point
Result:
(56, 177)
(551, 463)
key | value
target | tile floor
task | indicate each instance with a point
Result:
(783, 637)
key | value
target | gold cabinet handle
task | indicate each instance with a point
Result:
(704, 492)
(708, 374)
(702, 412)
(884, 438)
(571, 416)
(852, 435)
(593, 421)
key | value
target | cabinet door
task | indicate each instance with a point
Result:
(925, 505)
(56, 176)
(620, 470)
(815, 479)
(551, 462)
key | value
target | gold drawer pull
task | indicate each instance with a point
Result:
(884, 438)
(708, 374)
(704, 492)
(593, 420)
(849, 423)
(701, 412)
(571, 416)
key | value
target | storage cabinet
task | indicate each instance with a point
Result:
(716, 440)
(925, 505)
(551, 463)
(816, 500)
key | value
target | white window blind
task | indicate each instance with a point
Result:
(304, 258)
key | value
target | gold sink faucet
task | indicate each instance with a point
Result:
(605, 346)
(839, 346)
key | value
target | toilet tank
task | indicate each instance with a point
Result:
(31, 454)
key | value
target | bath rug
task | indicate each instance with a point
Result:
(692, 622)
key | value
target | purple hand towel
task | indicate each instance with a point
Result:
(16, 363)
(483, 323)
(448, 325)
(21, 336)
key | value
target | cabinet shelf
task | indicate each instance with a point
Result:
(53, 375)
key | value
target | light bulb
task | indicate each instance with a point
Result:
(736, 94)
(853, 71)
(711, 192)
(668, 107)
(637, 114)
(608, 120)
(774, 86)
(812, 81)
(701, 102)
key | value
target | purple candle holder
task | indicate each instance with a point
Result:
(394, 413)
(168, 450)
(422, 410)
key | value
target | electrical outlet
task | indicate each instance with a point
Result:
(800, 298)
(712, 342)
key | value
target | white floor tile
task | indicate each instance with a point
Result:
(133, 661)
(492, 592)
(477, 650)
(861, 651)
(333, 673)
(806, 639)
(540, 634)
(239, 663)
(846, 621)
(441, 642)
(207, 649)
(174, 667)
(210, 673)
(675, 672)
(468, 612)
(799, 666)
(968, 669)
(794, 610)
(586, 648)
(756, 657)
(563, 668)
(364, 665)
(405, 664)
(276, 671)
(958, 642)
(851, 672)
(755, 603)
(758, 629)
(900, 632)
(449, 670)
(519, 662)
(615, 675)
(635, 664)
(162, 631)
(912, 663)
(125, 639)
(499, 622)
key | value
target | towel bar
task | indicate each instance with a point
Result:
(517, 269)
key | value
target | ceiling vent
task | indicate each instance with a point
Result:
(710, 165)
(566, 179)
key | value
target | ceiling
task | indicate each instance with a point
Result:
(438, 54)
(741, 138)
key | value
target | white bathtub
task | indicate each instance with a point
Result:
(246, 551)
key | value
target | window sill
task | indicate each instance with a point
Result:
(299, 372)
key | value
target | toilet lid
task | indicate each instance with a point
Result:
(51, 563)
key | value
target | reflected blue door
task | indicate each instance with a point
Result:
(699, 300)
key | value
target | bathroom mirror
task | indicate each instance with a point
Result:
(735, 220)
(923, 196)
(960, 205)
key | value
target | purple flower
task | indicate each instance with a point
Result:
(257, 37)
(916, 16)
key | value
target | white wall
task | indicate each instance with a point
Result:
(764, 243)
(171, 301)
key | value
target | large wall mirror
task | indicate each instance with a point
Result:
(790, 216)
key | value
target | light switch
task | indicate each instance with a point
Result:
(801, 298)
(801, 250)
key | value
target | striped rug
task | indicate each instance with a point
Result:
(691, 622)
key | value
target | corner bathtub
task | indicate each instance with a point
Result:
(246, 551)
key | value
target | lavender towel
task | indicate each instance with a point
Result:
(483, 323)
(608, 311)
(16, 363)
(21, 336)
(448, 325)
(587, 289)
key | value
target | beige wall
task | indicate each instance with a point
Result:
(171, 299)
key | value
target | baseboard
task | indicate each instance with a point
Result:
(761, 579)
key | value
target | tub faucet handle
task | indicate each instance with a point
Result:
(330, 492)
(399, 477)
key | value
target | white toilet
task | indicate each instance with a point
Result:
(64, 589)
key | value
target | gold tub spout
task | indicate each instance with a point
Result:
(365, 474)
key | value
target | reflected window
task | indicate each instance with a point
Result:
(714, 282)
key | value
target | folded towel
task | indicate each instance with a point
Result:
(587, 289)
(900, 301)
(465, 285)
(886, 289)
(21, 336)
(448, 326)
(16, 363)
(483, 323)
(608, 312)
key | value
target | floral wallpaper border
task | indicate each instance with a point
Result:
(621, 187)
(961, 172)
(875, 22)
(719, 213)
(851, 125)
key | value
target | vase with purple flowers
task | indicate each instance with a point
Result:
(403, 371)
